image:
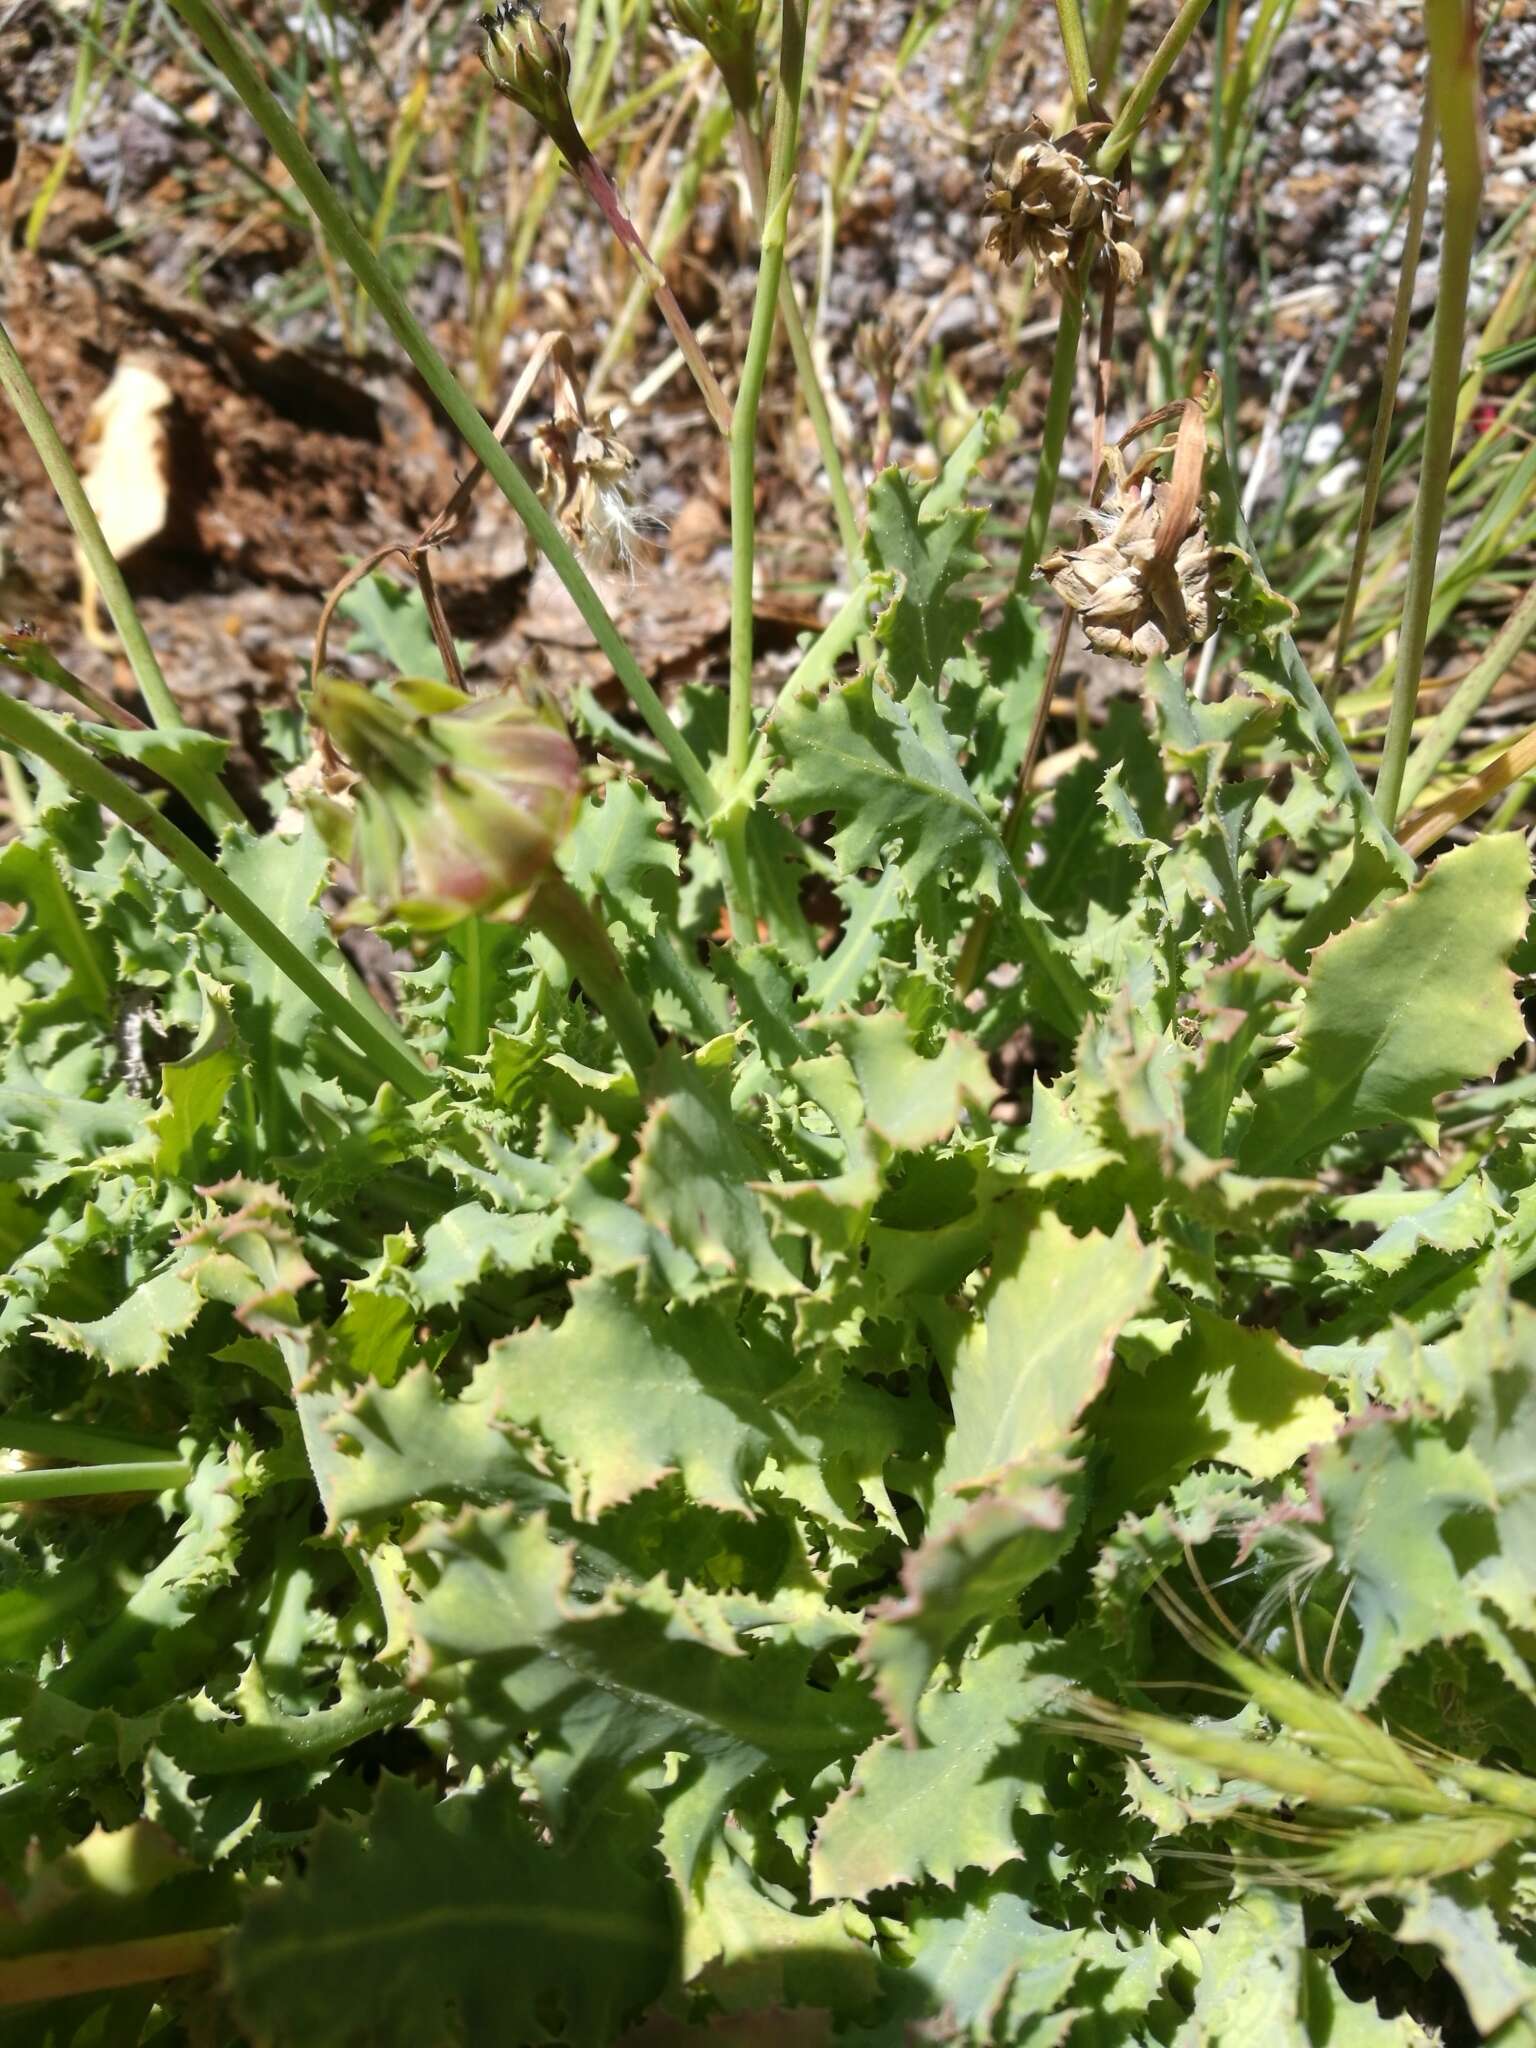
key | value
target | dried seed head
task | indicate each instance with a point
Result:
(459, 801)
(1130, 604)
(1051, 206)
(584, 480)
(728, 31)
(877, 349)
(585, 476)
(531, 66)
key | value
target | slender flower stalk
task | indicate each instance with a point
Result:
(727, 30)
(750, 149)
(972, 963)
(558, 913)
(204, 791)
(531, 66)
(1220, 205)
(1074, 44)
(786, 131)
(62, 1483)
(1386, 404)
(815, 667)
(1453, 71)
(29, 655)
(32, 732)
(674, 216)
(1058, 415)
(1139, 100)
(87, 1443)
(596, 183)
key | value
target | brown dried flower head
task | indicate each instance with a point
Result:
(877, 350)
(585, 476)
(1051, 206)
(1136, 601)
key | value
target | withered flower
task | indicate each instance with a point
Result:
(1134, 603)
(584, 474)
(459, 802)
(1050, 205)
(531, 66)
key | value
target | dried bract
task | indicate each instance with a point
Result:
(585, 475)
(1130, 603)
(1051, 206)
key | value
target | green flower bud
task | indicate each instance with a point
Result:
(459, 804)
(728, 31)
(531, 66)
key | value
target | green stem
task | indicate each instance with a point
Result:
(1220, 206)
(1138, 103)
(973, 954)
(76, 1440)
(351, 245)
(1074, 44)
(80, 1440)
(28, 655)
(209, 795)
(1454, 84)
(1386, 404)
(68, 1482)
(1108, 35)
(471, 1023)
(559, 914)
(34, 733)
(750, 148)
(1058, 413)
(813, 669)
(770, 269)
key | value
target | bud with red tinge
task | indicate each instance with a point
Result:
(459, 803)
(530, 65)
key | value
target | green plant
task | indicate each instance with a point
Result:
(695, 1469)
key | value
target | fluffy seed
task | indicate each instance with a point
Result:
(585, 476)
